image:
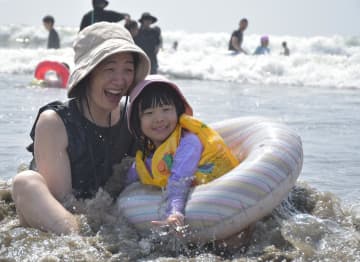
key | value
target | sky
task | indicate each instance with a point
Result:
(277, 17)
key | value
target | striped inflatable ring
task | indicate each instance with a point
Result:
(271, 158)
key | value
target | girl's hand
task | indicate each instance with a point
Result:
(175, 220)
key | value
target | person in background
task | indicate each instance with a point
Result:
(286, 51)
(133, 27)
(263, 48)
(176, 151)
(149, 39)
(53, 38)
(99, 14)
(236, 40)
(77, 142)
(175, 45)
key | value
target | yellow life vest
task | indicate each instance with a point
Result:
(216, 158)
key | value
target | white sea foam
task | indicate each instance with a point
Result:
(314, 61)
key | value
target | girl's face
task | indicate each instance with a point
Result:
(157, 123)
(110, 81)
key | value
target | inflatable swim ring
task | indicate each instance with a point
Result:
(271, 158)
(52, 72)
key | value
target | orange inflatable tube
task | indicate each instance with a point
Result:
(61, 70)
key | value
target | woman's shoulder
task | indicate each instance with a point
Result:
(50, 120)
(56, 111)
(51, 117)
(50, 126)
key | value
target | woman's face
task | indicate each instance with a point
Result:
(111, 80)
(158, 123)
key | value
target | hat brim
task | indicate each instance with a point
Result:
(103, 51)
(96, 3)
(152, 18)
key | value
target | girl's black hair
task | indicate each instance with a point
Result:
(153, 95)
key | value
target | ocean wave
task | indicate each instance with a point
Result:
(319, 61)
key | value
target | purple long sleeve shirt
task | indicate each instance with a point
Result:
(185, 165)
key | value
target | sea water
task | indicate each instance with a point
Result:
(315, 91)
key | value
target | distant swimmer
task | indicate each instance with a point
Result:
(53, 38)
(263, 49)
(286, 51)
(149, 39)
(175, 45)
(237, 36)
(99, 14)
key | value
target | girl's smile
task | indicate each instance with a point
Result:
(158, 123)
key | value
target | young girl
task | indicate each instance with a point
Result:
(176, 151)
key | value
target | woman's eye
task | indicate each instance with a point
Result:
(110, 69)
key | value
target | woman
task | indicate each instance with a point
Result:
(77, 142)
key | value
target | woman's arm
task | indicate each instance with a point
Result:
(50, 153)
(37, 195)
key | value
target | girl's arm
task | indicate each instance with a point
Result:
(185, 165)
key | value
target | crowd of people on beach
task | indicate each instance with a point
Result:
(149, 37)
(145, 35)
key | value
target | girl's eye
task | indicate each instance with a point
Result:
(147, 112)
(167, 108)
(130, 70)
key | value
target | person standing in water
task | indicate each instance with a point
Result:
(76, 143)
(53, 38)
(149, 39)
(286, 51)
(263, 48)
(99, 14)
(236, 40)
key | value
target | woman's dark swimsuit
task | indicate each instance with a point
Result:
(92, 150)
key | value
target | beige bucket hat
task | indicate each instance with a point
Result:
(99, 41)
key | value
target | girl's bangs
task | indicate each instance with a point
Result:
(156, 96)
